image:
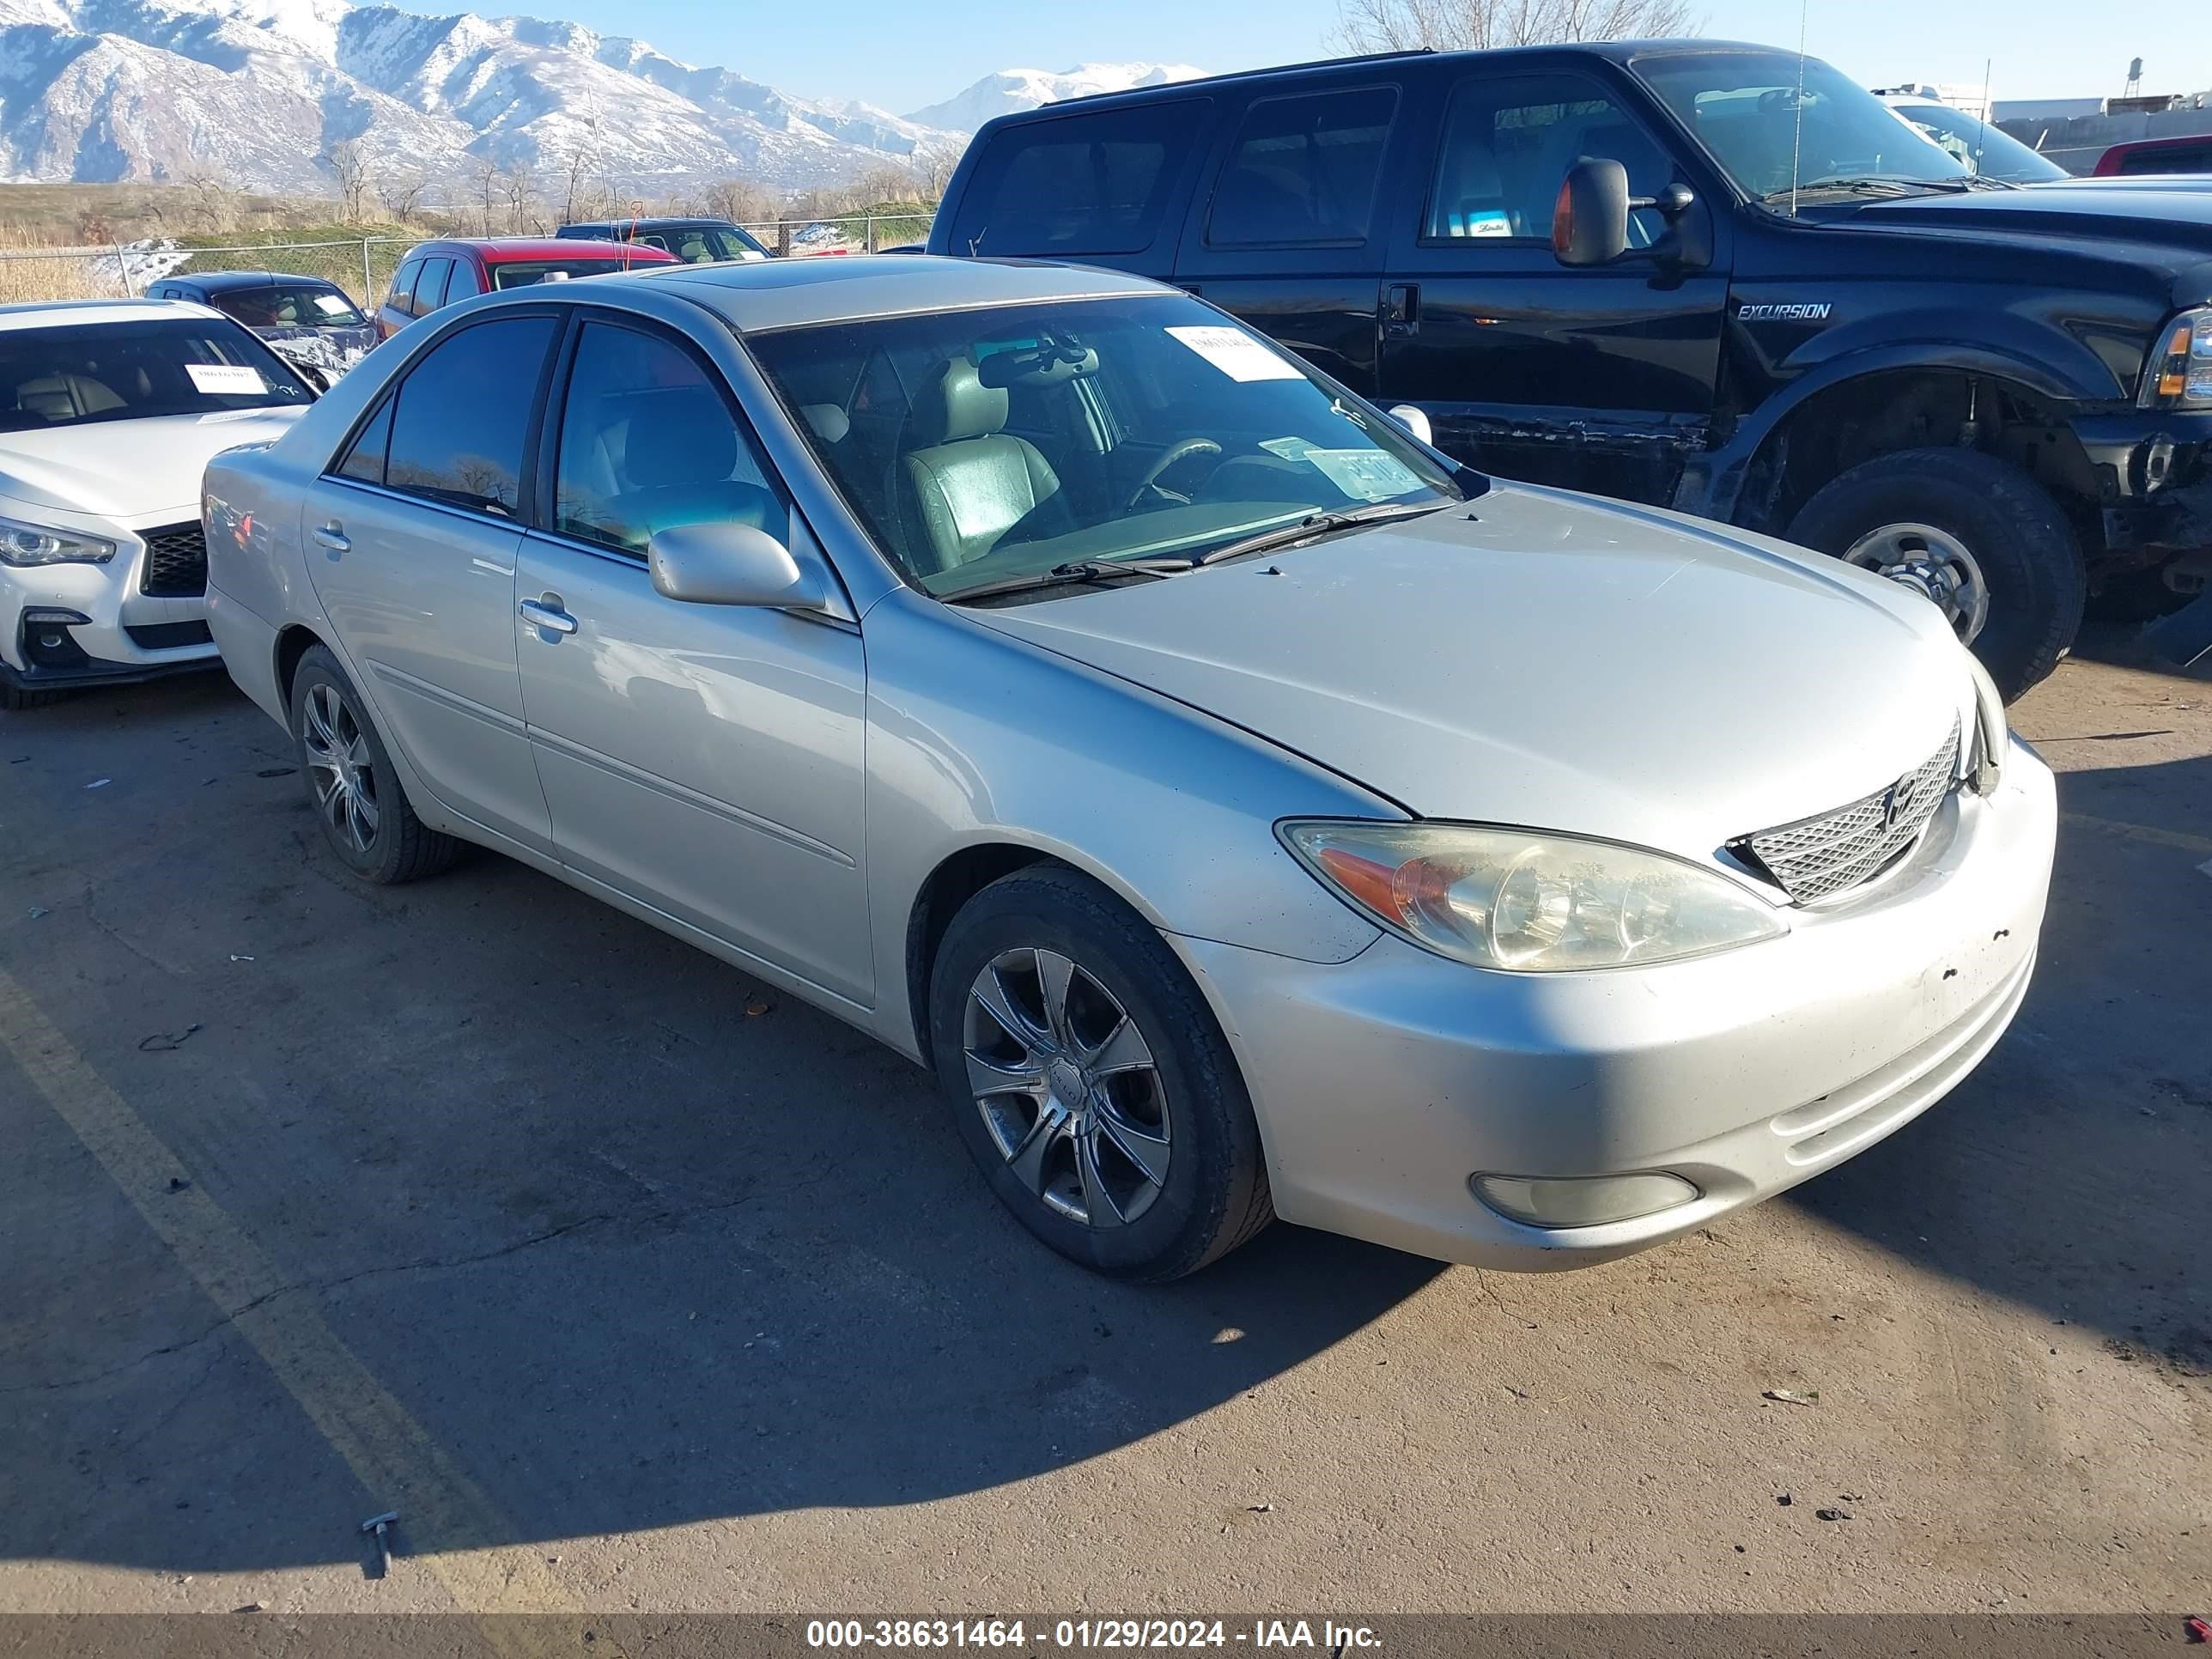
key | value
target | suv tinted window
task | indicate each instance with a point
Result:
(1302, 170)
(648, 442)
(2166, 161)
(463, 412)
(1507, 143)
(1077, 183)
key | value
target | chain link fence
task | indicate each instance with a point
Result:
(363, 265)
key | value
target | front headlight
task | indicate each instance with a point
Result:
(1528, 903)
(34, 543)
(2179, 374)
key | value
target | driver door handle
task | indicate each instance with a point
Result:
(547, 617)
(331, 534)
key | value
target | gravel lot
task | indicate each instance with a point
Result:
(634, 1287)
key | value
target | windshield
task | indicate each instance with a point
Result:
(521, 273)
(983, 446)
(76, 374)
(290, 306)
(1745, 108)
(700, 245)
(1979, 147)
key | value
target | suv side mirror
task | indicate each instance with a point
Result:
(731, 564)
(1590, 221)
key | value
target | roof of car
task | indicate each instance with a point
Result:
(229, 281)
(63, 313)
(1619, 52)
(653, 221)
(504, 250)
(770, 293)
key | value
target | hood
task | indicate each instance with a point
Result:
(124, 469)
(1542, 660)
(2163, 225)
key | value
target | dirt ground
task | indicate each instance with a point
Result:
(633, 1287)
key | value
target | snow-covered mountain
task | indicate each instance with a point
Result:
(1023, 88)
(252, 92)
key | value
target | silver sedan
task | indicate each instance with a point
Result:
(1243, 810)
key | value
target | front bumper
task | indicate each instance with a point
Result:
(1382, 1083)
(118, 633)
(2153, 471)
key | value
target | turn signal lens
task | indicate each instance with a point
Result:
(2180, 373)
(1525, 901)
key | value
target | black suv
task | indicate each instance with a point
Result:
(1705, 276)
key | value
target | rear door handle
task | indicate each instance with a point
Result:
(547, 617)
(332, 535)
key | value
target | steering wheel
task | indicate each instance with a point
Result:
(1177, 452)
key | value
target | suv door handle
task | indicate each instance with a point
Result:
(332, 535)
(547, 617)
(1401, 310)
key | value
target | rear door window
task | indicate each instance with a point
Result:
(430, 286)
(1303, 171)
(463, 284)
(462, 413)
(1077, 185)
(402, 297)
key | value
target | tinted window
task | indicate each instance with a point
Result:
(2166, 161)
(647, 443)
(462, 413)
(1507, 145)
(521, 273)
(1302, 170)
(1076, 185)
(463, 284)
(430, 286)
(82, 373)
(365, 460)
(291, 305)
(403, 286)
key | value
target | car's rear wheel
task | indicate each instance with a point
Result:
(1981, 539)
(363, 811)
(1090, 1082)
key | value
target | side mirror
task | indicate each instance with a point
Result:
(1415, 421)
(1590, 221)
(731, 564)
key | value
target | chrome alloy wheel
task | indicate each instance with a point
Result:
(339, 766)
(1067, 1086)
(1932, 562)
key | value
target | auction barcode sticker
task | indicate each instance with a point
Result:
(1235, 353)
(226, 379)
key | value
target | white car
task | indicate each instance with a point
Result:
(109, 411)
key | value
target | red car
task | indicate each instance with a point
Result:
(435, 274)
(2191, 153)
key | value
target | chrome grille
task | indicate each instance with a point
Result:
(176, 561)
(1817, 857)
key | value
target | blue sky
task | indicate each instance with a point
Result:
(902, 54)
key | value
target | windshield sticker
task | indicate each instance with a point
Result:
(1235, 353)
(332, 305)
(1366, 475)
(226, 379)
(1291, 449)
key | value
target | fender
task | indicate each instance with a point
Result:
(1712, 483)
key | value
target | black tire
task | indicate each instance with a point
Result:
(1214, 1193)
(2135, 596)
(15, 697)
(399, 846)
(2028, 557)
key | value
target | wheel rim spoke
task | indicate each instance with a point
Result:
(1099, 1208)
(986, 1076)
(1056, 979)
(1028, 1159)
(1123, 1050)
(1147, 1151)
(990, 992)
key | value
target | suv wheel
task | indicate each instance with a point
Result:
(357, 796)
(1089, 1081)
(1980, 538)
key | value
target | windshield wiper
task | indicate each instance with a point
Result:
(1315, 525)
(1866, 187)
(1075, 571)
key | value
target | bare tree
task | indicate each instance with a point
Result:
(484, 182)
(514, 184)
(931, 165)
(1477, 25)
(403, 193)
(349, 172)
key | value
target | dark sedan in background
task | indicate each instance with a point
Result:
(308, 322)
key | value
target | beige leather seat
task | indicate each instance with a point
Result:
(65, 396)
(972, 480)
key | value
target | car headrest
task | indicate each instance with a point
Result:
(683, 437)
(957, 404)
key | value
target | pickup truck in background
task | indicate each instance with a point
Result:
(1707, 277)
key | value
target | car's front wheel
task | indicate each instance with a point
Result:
(1981, 539)
(1090, 1082)
(356, 795)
